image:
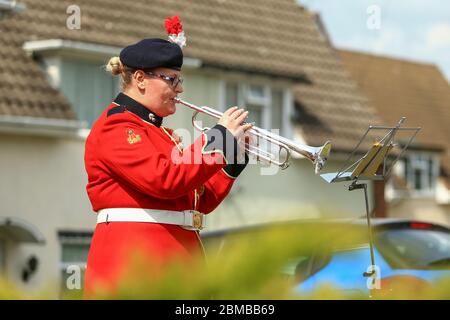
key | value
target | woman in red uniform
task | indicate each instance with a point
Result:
(147, 200)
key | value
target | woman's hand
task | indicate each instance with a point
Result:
(232, 119)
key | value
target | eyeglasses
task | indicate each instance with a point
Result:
(174, 81)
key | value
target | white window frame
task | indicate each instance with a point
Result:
(416, 159)
(265, 102)
(76, 238)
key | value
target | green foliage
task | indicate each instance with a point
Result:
(248, 266)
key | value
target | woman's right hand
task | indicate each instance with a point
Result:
(232, 119)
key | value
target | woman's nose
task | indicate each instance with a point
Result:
(179, 88)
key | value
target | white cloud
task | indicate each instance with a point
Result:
(389, 39)
(438, 35)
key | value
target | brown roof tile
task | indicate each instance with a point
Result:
(399, 88)
(24, 90)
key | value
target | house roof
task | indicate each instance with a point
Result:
(276, 38)
(399, 88)
(24, 89)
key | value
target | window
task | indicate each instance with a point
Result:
(74, 252)
(232, 94)
(268, 107)
(277, 109)
(85, 83)
(409, 248)
(421, 172)
(88, 87)
(77, 70)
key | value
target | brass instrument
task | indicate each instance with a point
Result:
(317, 155)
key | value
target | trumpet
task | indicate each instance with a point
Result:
(317, 155)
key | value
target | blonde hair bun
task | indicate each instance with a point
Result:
(115, 66)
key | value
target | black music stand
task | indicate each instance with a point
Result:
(372, 166)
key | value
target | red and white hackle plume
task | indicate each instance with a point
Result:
(175, 31)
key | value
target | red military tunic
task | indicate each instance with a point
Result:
(129, 159)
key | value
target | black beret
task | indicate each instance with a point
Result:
(152, 53)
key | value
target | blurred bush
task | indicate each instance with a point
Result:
(248, 267)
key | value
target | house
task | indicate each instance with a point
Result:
(270, 56)
(420, 187)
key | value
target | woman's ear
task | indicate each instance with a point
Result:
(140, 79)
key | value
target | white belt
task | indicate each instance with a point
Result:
(188, 219)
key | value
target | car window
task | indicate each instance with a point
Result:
(414, 248)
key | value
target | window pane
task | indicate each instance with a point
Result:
(256, 91)
(277, 110)
(74, 246)
(231, 95)
(418, 179)
(88, 87)
(406, 248)
(431, 179)
(75, 252)
(255, 114)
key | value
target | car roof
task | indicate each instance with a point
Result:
(385, 221)
(375, 222)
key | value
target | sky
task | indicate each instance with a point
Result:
(417, 30)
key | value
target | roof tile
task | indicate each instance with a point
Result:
(400, 88)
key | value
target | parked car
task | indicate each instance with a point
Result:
(407, 251)
(404, 250)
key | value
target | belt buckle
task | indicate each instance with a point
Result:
(197, 220)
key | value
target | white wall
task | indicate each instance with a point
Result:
(43, 182)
